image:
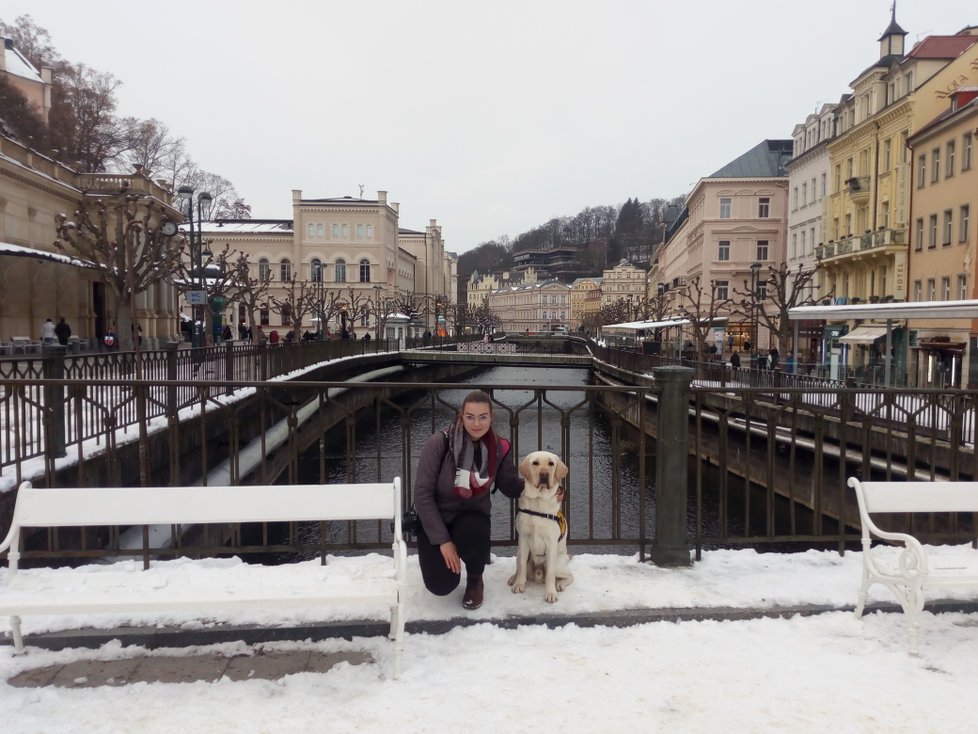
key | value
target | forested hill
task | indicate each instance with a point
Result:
(628, 231)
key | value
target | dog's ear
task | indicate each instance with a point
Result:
(524, 468)
(561, 470)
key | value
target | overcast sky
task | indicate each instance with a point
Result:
(489, 117)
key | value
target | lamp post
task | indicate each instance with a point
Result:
(204, 199)
(320, 306)
(754, 284)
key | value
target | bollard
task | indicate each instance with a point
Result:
(53, 367)
(671, 546)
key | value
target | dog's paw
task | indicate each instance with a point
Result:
(517, 587)
(562, 584)
(550, 597)
(512, 579)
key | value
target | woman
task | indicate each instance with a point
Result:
(459, 466)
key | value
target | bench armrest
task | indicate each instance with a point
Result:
(913, 558)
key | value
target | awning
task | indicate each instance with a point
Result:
(864, 334)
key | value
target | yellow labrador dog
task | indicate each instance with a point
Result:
(542, 551)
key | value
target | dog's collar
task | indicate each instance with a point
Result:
(558, 518)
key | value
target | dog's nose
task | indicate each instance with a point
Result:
(545, 478)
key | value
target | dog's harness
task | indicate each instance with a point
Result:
(558, 518)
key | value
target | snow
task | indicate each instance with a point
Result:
(802, 673)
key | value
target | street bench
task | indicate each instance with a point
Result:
(912, 572)
(107, 507)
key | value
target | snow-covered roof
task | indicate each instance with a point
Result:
(6, 248)
(915, 310)
(244, 226)
(18, 65)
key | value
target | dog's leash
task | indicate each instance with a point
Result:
(558, 518)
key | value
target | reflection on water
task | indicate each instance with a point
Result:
(563, 422)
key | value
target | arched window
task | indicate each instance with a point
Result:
(264, 270)
(319, 230)
(359, 231)
(341, 271)
(346, 231)
(336, 230)
(365, 271)
(310, 229)
(370, 231)
(316, 271)
(285, 271)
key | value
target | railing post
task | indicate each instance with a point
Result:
(229, 363)
(171, 374)
(671, 546)
(53, 368)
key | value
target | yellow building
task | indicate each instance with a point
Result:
(866, 258)
(585, 300)
(532, 308)
(624, 282)
(942, 259)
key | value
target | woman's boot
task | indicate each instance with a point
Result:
(473, 592)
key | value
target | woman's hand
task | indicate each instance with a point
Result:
(450, 553)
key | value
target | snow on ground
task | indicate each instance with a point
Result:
(802, 674)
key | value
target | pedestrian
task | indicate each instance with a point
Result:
(273, 337)
(735, 360)
(458, 468)
(48, 332)
(366, 336)
(227, 335)
(109, 340)
(772, 358)
(789, 363)
(62, 330)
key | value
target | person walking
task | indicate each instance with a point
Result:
(62, 331)
(735, 360)
(458, 467)
(48, 333)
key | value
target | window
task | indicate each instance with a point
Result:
(948, 227)
(945, 289)
(263, 316)
(848, 232)
(723, 251)
(724, 208)
(370, 231)
(285, 271)
(803, 241)
(310, 230)
(721, 290)
(316, 271)
(918, 291)
(264, 270)
(359, 231)
(341, 271)
(919, 239)
(346, 231)
(965, 222)
(932, 241)
(824, 184)
(812, 200)
(962, 287)
(761, 250)
(761, 290)
(837, 183)
(887, 154)
(935, 165)
(949, 165)
(365, 271)
(921, 170)
(804, 195)
(794, 245)
(849, 168)
(966, 142)
(764, 206)
(336, 231)
(835, 228)
(811, 241)
(931, 289)
(885, 214)
(286, 314)
(794, 198)
(908, 83)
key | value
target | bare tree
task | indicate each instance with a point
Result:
(780, 290)
(486, 319)
(252, 291)
(298, 299)
(120, 235)
(703, 307)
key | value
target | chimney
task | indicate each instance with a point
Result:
(296, 196)
(396, 207)
(382, 198)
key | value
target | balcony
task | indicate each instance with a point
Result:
(858, 189)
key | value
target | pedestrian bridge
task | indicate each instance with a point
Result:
(499, 354)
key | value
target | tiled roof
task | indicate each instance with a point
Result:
(765, 160)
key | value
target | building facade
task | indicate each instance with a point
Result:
(532, 308)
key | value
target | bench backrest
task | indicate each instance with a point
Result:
(916, 496)
(36, 507)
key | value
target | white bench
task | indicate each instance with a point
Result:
(95, 507)
(912, 572)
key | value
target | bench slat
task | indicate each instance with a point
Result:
(38, 507)
(919, 496)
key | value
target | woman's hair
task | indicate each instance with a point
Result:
(477, 396)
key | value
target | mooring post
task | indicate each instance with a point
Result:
(671, 546)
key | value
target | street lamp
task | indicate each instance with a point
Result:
(320, 305)
(754, 284)
(377, 296)
(204, 199)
